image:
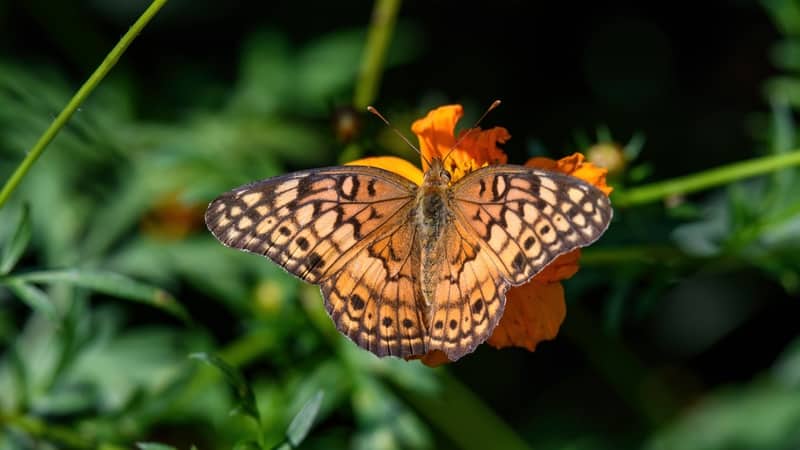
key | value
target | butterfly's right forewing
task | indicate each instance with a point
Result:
(528, 217)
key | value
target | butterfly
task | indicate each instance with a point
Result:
(404, 268)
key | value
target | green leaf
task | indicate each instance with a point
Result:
(113, 284)
(302, 422)
(786, 55)
(19, 241)
(244, 394)
(154, 446)
(20, 376)
(787, 369)
(34, 297)
(247, 445)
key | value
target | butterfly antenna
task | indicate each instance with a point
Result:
(375, 111)
(474, 127)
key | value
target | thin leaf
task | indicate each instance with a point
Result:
(244, 394)
(302, 422)
(112, 284)
(20, 375)
(19, 241)
(34, 297)
(634, 146)
(154, 446)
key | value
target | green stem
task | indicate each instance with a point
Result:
(384, 16)
(79, 97)
(706, 179)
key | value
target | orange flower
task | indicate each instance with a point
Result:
(534, 311)
(172, 218)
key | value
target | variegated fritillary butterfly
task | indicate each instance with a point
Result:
(405, 269)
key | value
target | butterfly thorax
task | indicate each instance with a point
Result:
(433, 217)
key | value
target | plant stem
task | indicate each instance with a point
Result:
(79, 97)
(384, 16)
(706, 179)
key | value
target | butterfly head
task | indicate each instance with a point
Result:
(437, 175)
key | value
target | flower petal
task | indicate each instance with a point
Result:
(433, 358)
(534, 313)
(436, 132)
(577, 166)
(482, 145)
(392, 164)
(476, 148)
(563, 267)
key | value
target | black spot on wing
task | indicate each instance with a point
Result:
(477, 306)
(302, 243)
(519, 262)
(371, 187)
(529, 242)
(357, 302)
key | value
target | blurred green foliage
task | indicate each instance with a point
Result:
(122, 322)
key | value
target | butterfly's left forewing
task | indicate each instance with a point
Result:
(311, 222)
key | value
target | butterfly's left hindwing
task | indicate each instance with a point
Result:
(375, 299)
(311, 222)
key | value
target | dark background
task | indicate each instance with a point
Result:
(689, 77)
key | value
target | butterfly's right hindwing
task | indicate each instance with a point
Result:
(311, 222)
